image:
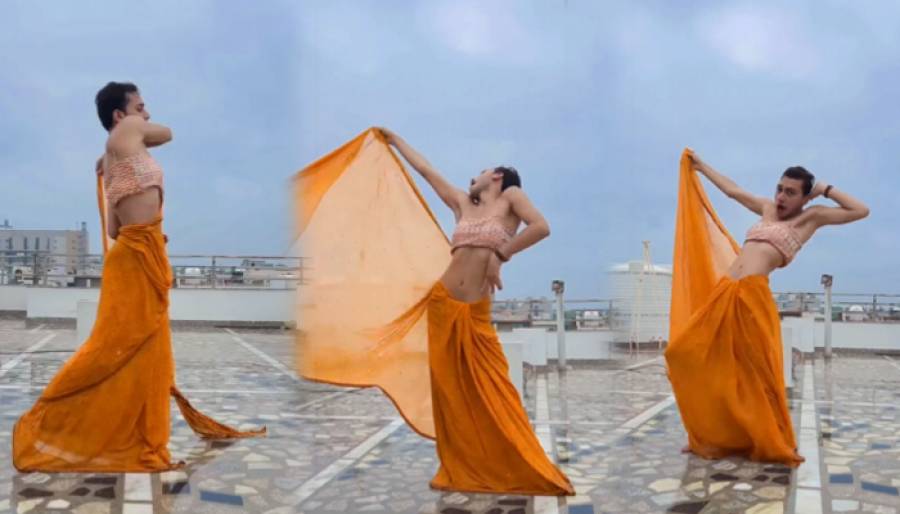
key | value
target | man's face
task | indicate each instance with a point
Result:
(134, 107)
(789, 197)
(481, 182)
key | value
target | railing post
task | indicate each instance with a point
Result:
(559, 288)
(827, 280)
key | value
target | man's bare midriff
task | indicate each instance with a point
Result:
(465, 276)
(756, 258)
(139, 208)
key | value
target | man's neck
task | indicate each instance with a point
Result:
(486, 196)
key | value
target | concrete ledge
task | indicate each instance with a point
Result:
(86, 315)
(50, 322)
(539, 345)
(849, 352)
(184, 325)
(513, 352)
(267, 305)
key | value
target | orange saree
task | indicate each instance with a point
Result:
(725, 356)
(372, 313)
(484, 439)
(108, 407)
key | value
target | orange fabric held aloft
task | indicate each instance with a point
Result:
(725, 355)
(375, 250)
(108, 407)
(373, 313)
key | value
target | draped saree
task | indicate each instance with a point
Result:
(108, 407)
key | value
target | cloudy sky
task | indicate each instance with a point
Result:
(591, 101)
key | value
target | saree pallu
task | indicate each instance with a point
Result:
(375, 249)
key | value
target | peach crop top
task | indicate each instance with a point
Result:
(778, 234)
(486, 232)
(132, 175)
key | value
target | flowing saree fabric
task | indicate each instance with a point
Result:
(375, 250)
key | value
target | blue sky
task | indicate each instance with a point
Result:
(592, 102)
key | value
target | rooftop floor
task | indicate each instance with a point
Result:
(612, 427)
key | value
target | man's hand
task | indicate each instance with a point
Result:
(699, 165)
(388, 135)
(818, 189)
(492, 280)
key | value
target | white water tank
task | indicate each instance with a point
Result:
(641, 293)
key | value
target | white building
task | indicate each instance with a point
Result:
(855, 313)
(641, 293)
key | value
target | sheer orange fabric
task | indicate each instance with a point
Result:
(484, 439)
(725, 355)
(108, 407)
(375, 250)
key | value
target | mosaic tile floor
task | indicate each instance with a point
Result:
(613, 428)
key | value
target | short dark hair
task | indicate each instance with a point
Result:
(113, 96)
(801, 173)
(510, 177)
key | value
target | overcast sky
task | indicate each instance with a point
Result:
(591, 101)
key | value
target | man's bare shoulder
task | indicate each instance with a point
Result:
(127, 137)
(132, 123)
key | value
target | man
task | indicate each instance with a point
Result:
(107, 409)
(724, 359)
(426, 303)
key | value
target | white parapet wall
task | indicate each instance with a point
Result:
(87, 316)
(513, 352)
(539, 344)
(13, 298)
(56, 303)
(277, 306)
(200, 305)
(808, 334)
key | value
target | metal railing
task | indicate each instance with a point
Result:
(45, 269)
(581, 314)
(616, 314)
(874, 307)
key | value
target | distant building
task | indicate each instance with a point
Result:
(855, 313)
(509, 314)
(795, 304)
(29, 253)
(251, 272)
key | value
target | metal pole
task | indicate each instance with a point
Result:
(827, 281)
(559, 288)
